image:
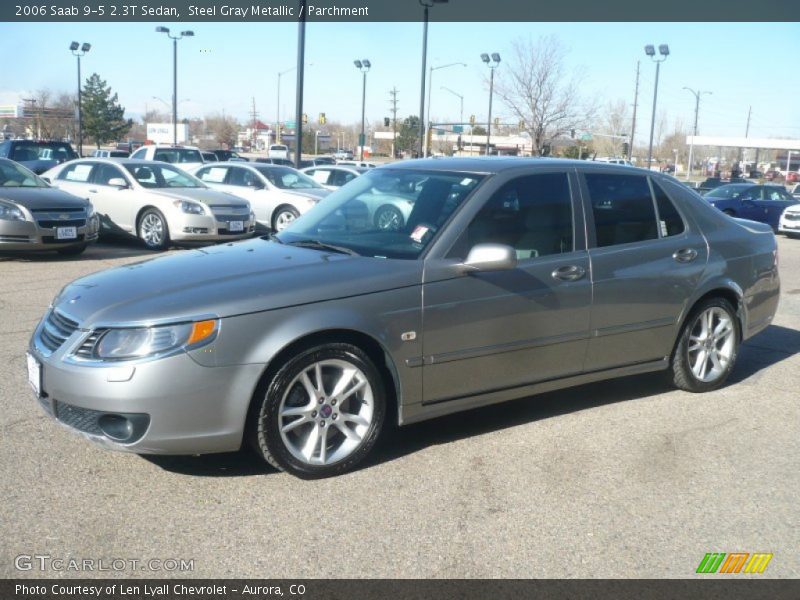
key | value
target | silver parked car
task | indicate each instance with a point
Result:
(35, 216)
(510, 277)
(157, 202)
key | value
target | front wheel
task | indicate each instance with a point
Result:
(283, 217)
(389, 218)
(707, 347)
(153, 230)
(322, 412)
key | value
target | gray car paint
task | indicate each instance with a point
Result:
(467, 351)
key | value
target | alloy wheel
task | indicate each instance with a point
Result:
(712, 343)
(152, 229)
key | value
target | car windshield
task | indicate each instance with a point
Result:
(386, 213)
(29, 151)
(728, 191)
(12, 175)
(287, 178)
(154, 175)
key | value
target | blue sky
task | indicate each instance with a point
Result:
(227, 64)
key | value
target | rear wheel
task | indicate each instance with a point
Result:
(322, 412)
(389, 217)
(153, 230)
(707, 348)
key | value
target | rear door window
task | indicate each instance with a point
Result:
(623, 208)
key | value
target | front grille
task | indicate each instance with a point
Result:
(15, 238)
(37, 211)
(792, 216)
(51, 224)
(56, 329)
(82, 419)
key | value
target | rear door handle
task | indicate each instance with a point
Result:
(685, 255)
(569, 273)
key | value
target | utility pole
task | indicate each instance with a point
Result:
(635, 105)
(393, 95)
(747, 128)
(254, 117)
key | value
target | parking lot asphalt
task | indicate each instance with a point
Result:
(628, 478)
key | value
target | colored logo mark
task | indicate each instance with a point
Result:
(734, 562)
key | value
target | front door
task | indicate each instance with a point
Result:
(112, 203)
(491, 331)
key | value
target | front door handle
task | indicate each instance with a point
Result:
(569, 273)
(93, 191)
(685, 255)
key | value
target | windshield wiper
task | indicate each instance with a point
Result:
(319, 245)
(273, 238)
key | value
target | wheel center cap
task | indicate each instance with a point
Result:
(325, 411)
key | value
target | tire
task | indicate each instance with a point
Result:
(153, 230)
(72, 250)
(389, 218)
(693, 372)
(293, 402)
(283, 216)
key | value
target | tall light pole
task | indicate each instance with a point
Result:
(278, 109)
(363, 66)
(175, 39)
(492, 63)
(696, 94)
(461, 100)
(79, 50)
(426, 4)
(430, 88)
(650, 50)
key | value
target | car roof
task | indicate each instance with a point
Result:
(497, 164)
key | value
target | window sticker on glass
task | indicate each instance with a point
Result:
(79, 173)
(419, 233)
(664, 232)
(215, 174)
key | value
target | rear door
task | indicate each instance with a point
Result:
(774, 200)
(646, 260)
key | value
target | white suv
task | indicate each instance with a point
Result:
(184, 157)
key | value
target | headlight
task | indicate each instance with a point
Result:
(126, 344)
(90, 211)
(11, 212)
(192, 208)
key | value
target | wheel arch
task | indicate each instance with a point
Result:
(278, 209)
(728, 290)
(376, 351)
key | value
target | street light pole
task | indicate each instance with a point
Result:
(426, 4)
(650, 50)
(298, 101)
(492, 64)
(363, 66)
(696, 94)
(79, 50)
(175, 39)
(430, 89)
(278, 109)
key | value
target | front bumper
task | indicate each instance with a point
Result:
(173, 405)
(789, 225)
(204, 228)
(30, 236)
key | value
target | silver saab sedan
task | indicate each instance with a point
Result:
(155, 201)
(509, 277)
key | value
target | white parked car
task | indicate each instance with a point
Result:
(278, 151)
(333, 177)
(109, 154)
(154, 201)
(185, 157)
(357, 163)
(278, 194)
(789, 222)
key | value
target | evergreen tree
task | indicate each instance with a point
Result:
(103, 118)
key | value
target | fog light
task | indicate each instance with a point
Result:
(117, 427)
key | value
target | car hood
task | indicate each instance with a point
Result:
(42, 198)
(228, 280)
(210, 197)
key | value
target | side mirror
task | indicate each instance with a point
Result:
(46, 180)
(118, 182)
(256, 185)
(490, 257)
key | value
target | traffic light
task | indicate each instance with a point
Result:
(472, 119)
(625, 148)
(521, 125)
(305, 118)
(546, 150)
(572, 133)
(497, 121)
(322, 119)
(386, 121)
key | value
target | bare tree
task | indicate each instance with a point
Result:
(224, 128)
(537, 90)
(614, 121)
